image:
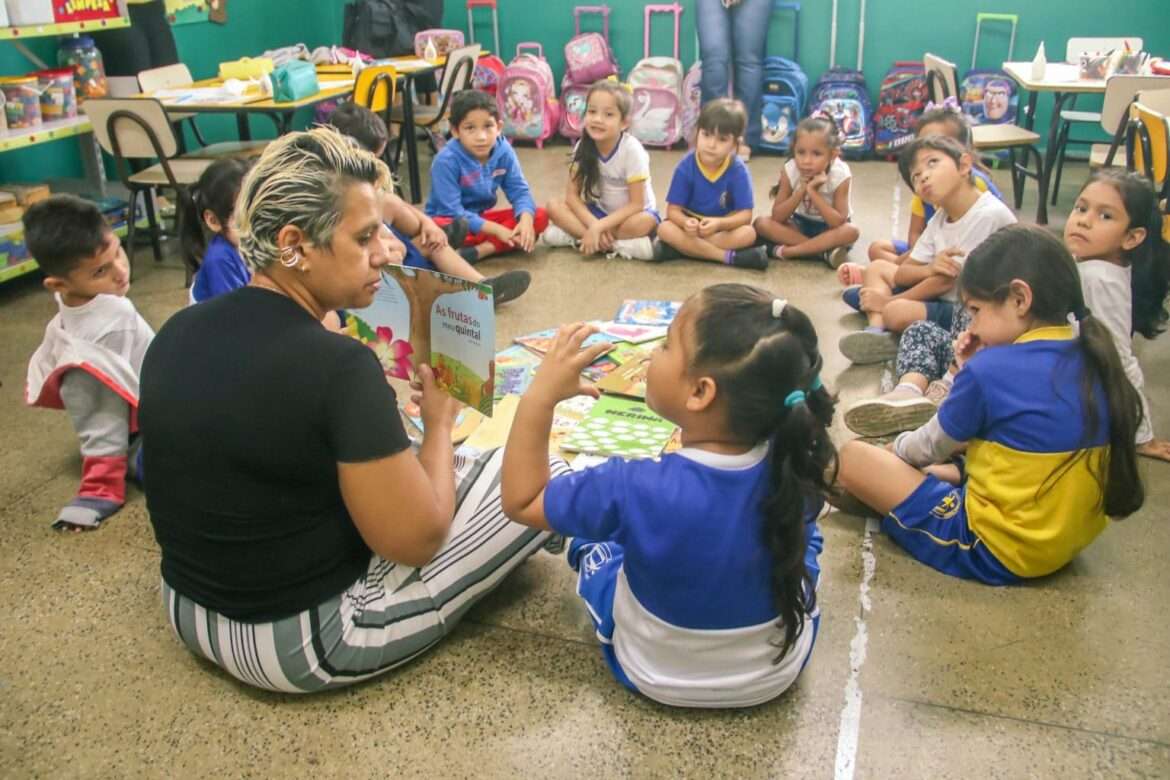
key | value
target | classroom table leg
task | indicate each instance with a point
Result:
(411, 142)
(1058, 100)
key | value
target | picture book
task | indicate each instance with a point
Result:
(567, 415)
(515, 367)
(647, 312)
(628, 379)
(541, 341)
(622, 427)
(493, 433)
(599, 369)
(634, 334)
(426, 316)
(465, 423)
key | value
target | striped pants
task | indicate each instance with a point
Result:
(391, 615)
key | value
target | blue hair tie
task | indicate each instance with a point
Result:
(816, 383)
(794, 398)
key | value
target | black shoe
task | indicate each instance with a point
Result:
(664, 251)
(509, 285)
(752, 257)
(470, 254)
(456, 231)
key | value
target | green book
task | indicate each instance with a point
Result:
(620, 426)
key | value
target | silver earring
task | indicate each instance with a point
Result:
(289, 257)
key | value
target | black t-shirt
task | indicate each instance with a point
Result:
(247, 406)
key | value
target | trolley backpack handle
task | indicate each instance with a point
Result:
(980, 18)
(520, 47)
(672, 8)
(603, 10)
(779, 6)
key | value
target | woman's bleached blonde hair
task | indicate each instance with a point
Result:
(301, 180)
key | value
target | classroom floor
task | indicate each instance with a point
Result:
(914, 674)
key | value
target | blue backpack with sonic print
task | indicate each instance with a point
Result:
(785, 91)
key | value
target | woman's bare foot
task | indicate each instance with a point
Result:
(1158, 449)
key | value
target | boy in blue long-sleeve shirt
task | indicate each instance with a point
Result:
(467, 174)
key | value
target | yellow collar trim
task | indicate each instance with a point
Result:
(713, 176)
(1048, 333)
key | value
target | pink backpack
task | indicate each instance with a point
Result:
(657, 85)
(692, 101)
(585, 56)
(527, 96)
(446, 41)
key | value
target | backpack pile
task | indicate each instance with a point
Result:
(588, 58)
(527, 96)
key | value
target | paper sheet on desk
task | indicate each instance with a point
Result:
(407, 64)
(205, 95)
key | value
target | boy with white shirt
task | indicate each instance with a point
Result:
(90, 359)
(938, 169)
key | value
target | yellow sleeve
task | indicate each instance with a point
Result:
(916, 207)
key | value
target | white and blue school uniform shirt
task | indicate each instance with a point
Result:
(717, 193)
(987, 215)
(462, 186)
(693, 616)
(626, 164)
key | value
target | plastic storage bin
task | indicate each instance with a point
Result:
(22, 101)
(58, 94)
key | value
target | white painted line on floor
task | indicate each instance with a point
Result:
(850, 728)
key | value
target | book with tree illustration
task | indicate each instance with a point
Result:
(426, 316)
(620, 426)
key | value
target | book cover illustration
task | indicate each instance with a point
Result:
(599, 369)
(567, 415)
(540, 341)
(628, 379)
(426, 316)
(622, 427)
(634, 334)
(515, 367)
(465, 422)
(647, 312)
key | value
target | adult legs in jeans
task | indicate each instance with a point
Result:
(749, 32)
(739, 34)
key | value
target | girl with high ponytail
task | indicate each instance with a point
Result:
(699, 569)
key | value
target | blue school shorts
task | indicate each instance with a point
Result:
(414, 258)
(597, 211)
(931, 525)
(810, 228)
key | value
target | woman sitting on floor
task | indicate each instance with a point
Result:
(305, 545)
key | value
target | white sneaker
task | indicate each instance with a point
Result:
(634, 248)
(554, 236)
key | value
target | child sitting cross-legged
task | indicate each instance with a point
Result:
(427, 244)
(1045, 413)
(700, 569)
(467, 174)
(709, 205)
(609, 201)
(811, 206)
(92, 354)
(938, 169)
(1115, 233)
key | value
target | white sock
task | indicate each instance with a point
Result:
(908, 386)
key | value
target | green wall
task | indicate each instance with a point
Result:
(895, 29)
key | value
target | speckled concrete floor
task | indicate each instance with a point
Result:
(914, 674)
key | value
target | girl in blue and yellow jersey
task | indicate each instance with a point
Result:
(1044, 411)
